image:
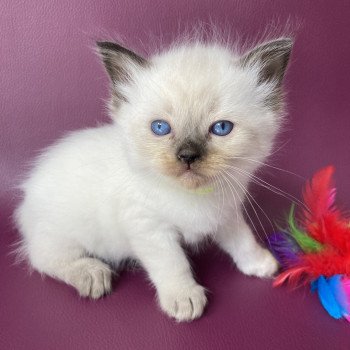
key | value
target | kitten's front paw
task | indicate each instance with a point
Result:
(260, 264)
(184, 304)
(91, 277)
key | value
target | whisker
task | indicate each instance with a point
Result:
(246, 192)
(244, 207)
(270, 166)
(247, 196)
(213, 179)
(235, 203)
(223, 199)
(257, 180)
(279, 148)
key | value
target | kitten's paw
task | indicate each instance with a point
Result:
(91, 277)
(260, 264)
(184, 304)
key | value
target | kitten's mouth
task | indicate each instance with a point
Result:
(190, 170)
(190, 176)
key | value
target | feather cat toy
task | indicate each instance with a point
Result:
(315, 248)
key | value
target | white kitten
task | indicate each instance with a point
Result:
(171, 169)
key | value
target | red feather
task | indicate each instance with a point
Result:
(327, 263)
(292, 276)
(319, 196)
(336, 232)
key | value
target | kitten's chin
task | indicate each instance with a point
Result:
(192, 178)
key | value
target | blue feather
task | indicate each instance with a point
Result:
(327, 298)
(314, 286)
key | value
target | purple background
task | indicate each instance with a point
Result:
(51, 82)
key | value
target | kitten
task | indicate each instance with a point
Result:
(162, 174)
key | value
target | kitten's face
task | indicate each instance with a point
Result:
(193, 112)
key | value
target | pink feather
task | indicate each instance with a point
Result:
(346, 289)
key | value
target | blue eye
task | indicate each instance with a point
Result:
(221, 128)
(160, 127)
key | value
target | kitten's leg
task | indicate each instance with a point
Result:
(178, 293)
(70, 264)
(237, 239)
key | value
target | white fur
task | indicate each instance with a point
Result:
(100, 193)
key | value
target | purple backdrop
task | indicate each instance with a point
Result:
(51, 82)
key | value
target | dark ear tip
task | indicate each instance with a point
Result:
(99, 44)
(107, 45)
(285, 43)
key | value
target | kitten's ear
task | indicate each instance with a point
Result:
(119, 61)
(272, 57)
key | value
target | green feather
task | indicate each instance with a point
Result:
(306, 243)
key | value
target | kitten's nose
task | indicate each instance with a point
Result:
(188, 156)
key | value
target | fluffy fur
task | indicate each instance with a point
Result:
(119, 191)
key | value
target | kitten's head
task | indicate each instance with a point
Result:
(194, 111)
